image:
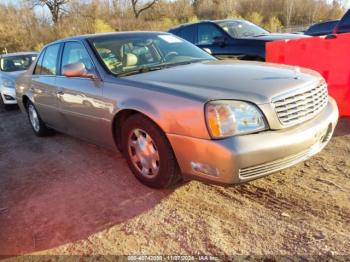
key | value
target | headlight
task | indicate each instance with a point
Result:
(8, 83)
(228, 118)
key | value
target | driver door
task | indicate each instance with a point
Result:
(207, 34)
(81, 103)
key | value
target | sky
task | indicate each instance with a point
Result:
(44, 11)
(39, 10)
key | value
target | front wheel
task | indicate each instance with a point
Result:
(3, 106)
(148, 153)
(35, 121)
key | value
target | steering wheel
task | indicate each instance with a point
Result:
(168, 55)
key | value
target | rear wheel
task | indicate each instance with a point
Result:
(148, 153)
(35, 121)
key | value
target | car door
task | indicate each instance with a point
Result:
(43, 85)
(81, 104)
(211, 37)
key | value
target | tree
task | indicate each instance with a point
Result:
(255, 18)
(274, 24)
(289, 11)
(137, 11)
(56, 7)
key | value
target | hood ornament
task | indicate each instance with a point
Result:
(297, 73)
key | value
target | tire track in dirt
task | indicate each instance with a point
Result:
(278, 203)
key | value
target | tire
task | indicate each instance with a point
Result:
(38, 126)
(142, 140)
(3, 106)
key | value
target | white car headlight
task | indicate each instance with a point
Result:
(8, 83)
(228, 118)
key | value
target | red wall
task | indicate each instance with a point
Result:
(330, 57)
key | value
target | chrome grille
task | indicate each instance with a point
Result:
(274, 166)
(301, 106)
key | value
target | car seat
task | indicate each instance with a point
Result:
(130, 61)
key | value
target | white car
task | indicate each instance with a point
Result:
(11, 66)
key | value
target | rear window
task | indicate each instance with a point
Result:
(344, 24)
(321, 29)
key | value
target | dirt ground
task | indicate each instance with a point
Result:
(60, 195)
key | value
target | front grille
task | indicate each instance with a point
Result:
(299, 107)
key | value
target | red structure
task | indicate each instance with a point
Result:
(330, 56)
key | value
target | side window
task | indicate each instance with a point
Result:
(344, 24)
(207, 33)
(75, 52)
(188, 33)
(49, 64)
(39, 64)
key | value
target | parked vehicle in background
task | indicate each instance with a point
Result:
(238, 39)
(344, 24)
(324, 28)
(11, 66)
(173, 109)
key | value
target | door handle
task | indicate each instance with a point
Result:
(331, 36)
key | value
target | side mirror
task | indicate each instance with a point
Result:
(335, 30)
(207, 50)
(77, 70)
(219, 40)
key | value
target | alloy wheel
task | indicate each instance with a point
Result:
(143, 153)
(34, 118)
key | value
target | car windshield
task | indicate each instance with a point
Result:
(241, 28)
(124, 55)
(16, 63)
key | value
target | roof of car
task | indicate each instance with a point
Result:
(204, 21)
(18, 53)
(326, 22)
(87, 36)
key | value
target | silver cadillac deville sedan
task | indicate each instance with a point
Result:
(173, 110)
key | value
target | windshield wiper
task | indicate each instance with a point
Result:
(260, 35)
(188, 62)
(141, 70)
(158, 67)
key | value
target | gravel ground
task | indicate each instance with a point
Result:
(60, 195)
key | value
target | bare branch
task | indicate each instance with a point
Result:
(137, 11)
(55, 7)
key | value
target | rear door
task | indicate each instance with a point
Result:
(43, 85)
(80, 98)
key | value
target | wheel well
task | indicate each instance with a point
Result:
(118, 120)
(25, 100)
(253, 58)
(122, 116)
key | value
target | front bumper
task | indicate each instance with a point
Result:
(243, 158)
(8, 95)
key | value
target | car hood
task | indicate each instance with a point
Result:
(275, 37)
(11, 75)
(250, 81)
